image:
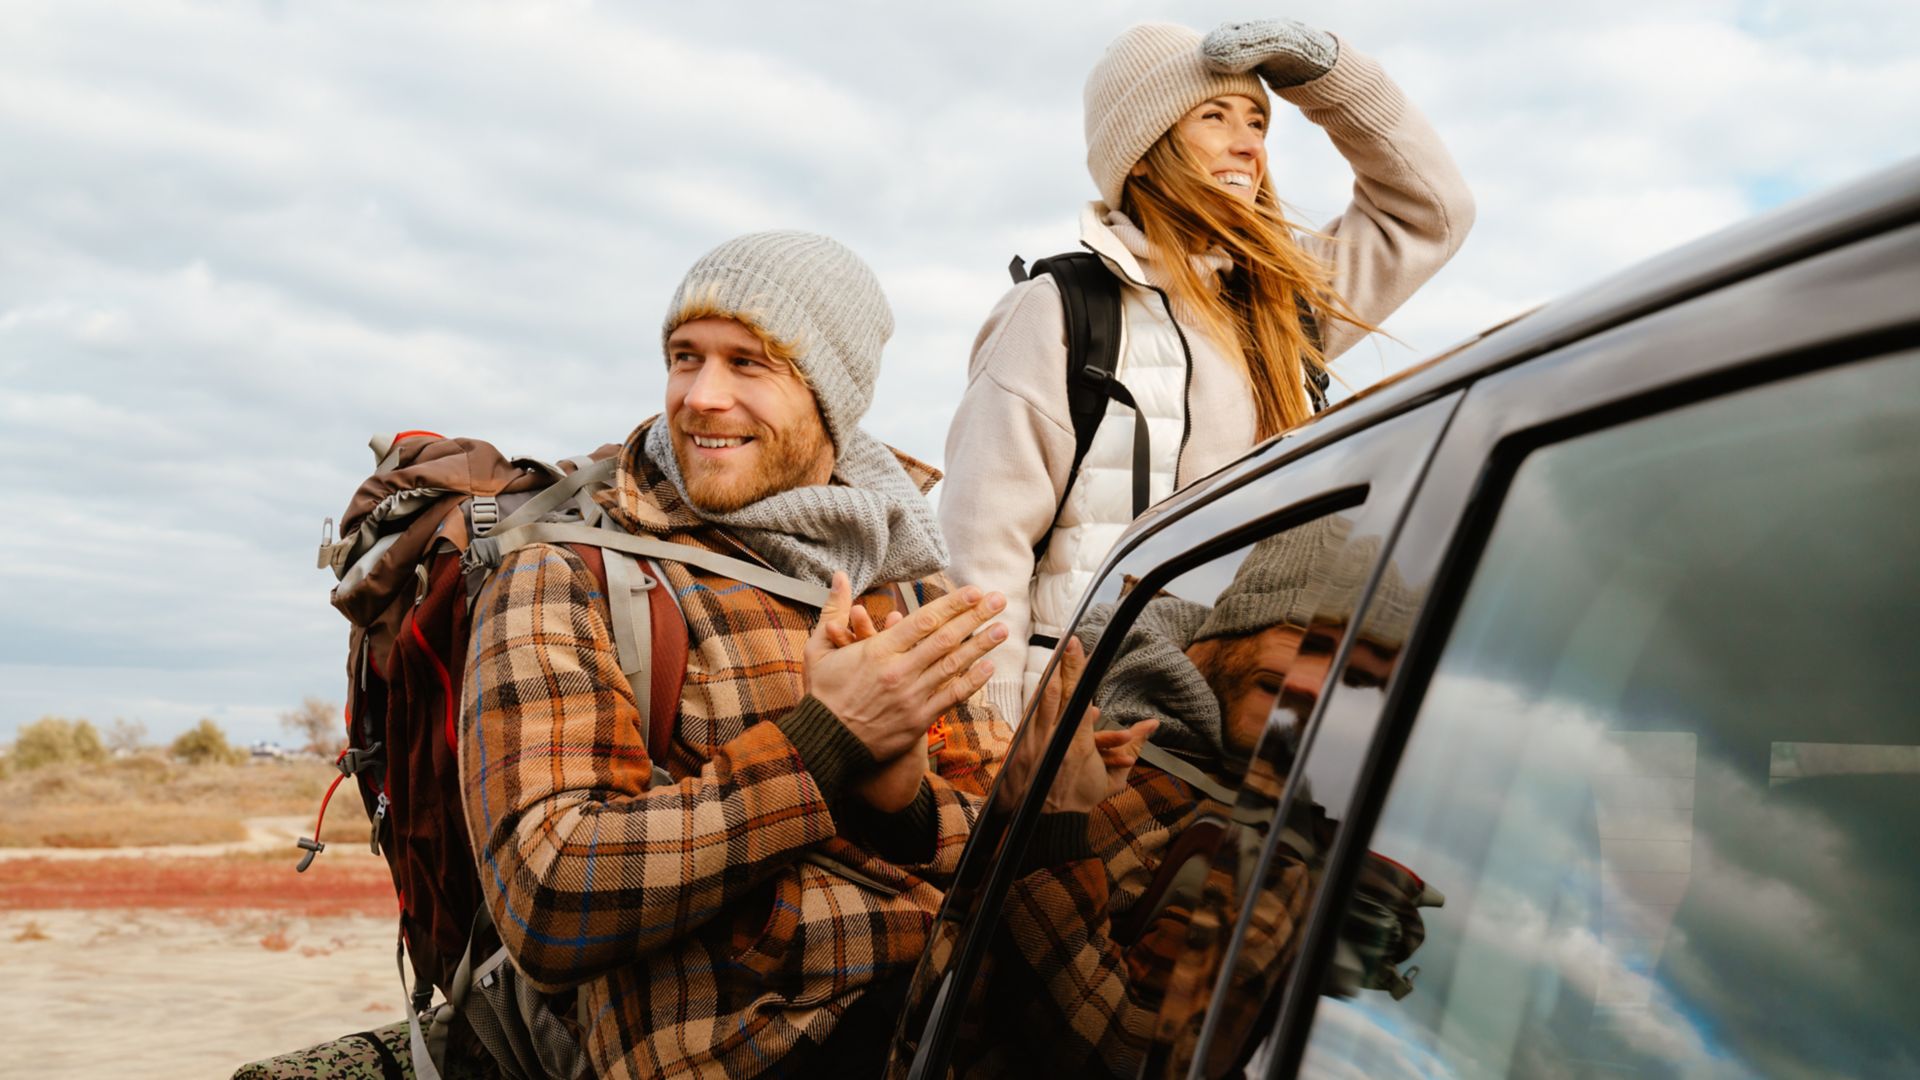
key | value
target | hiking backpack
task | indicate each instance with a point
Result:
(416, 544)
(1090, 300)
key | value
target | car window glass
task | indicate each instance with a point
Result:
(1106, 949)
(1663, 782)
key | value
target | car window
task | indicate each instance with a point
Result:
(1104, 957)
(1661, 788)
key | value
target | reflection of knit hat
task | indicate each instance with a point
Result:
(811, 294)
(1310, 570)
(1391, 610)
(1149, 78)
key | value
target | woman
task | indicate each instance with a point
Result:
(1230, 313)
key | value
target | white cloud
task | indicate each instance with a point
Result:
(238, 238)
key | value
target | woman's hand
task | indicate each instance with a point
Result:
(1285, 52)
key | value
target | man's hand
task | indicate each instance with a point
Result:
(893, 786)
(1097, 762)
(1285, 52)
(889, 687)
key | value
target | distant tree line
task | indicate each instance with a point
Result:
(53, 740)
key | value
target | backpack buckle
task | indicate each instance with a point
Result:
(356, 758)
(483, 513)
(482, 554)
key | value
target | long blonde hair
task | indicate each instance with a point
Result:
(1260, 315)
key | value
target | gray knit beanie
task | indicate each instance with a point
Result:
(1149, 78)
(809, 293)
(1290, 579)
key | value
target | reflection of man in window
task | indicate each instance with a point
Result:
(1122, 884)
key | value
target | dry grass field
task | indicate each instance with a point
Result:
(150, 914)
(148, 800)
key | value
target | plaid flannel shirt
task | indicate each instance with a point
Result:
(701, 944)
(1087, 1004)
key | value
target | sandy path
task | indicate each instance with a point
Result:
(165, 994)
(264, 834)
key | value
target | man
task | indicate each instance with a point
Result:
(1113, 933)
(825, 765)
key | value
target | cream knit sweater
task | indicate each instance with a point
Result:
(1011, 444)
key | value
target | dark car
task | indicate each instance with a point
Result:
(1552, 710)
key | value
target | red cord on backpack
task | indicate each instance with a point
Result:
(313, 846)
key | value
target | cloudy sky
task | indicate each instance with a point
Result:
(238, 238)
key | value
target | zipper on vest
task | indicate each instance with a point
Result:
(1186, 351)
(1186, 391)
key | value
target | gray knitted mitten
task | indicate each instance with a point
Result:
(1284, 52)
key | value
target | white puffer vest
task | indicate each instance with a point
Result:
(1156, 365)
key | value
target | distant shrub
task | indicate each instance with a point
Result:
(53, 739)
(206, 744)
(126, 736)
(318, 725)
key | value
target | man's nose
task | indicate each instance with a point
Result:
(712, 389)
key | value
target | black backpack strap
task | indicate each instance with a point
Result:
(1317, 377)
(1090, 298)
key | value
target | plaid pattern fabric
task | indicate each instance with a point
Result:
(1086, 1004)
(701, 944)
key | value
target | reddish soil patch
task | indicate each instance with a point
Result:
(238, 883)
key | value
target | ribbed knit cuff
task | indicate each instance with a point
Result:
(906, 835)
(832, 754)
(1005, 695)
(1057, 839)
(1355, 97)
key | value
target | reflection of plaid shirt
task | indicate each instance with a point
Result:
(1088, 1004)
(702, 945)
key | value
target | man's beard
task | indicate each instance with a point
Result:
(783, 460)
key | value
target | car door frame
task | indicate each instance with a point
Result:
(1375, 459)
(1849, 303)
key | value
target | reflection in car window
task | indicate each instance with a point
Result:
(1667, 771)
(1110, 939)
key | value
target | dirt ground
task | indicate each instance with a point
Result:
(189, 959)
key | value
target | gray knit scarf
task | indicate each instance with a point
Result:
(874, 524)
(1152, 677)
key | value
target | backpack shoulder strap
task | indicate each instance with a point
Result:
(1183, 865)
(486, 553)
(650, 640)
(1090, 299)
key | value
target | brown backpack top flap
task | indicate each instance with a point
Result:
(423, 463)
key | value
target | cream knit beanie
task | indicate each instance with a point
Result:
(1149, 78)
(809, 293)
